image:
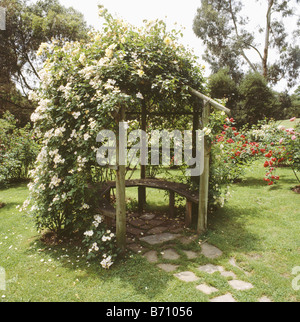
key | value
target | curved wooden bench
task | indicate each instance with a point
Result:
(192, 197)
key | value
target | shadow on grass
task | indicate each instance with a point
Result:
(228, 229)
(129, 272)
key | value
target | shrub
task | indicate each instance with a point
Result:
(18, 150)
(100, 243)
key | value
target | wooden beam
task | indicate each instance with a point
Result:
(120, 192)
(204, 178)
(213, 103)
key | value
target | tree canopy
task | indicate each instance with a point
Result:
(223, 28)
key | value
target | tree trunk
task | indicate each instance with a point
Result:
(267, 40)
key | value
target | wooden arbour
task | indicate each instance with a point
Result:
(120, 184)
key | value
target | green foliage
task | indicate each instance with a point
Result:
(256, 99)
(223, 26)
(27, 26)
(18, 150)
(100, 243)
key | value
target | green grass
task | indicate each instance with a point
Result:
(259, 227)
(287, 124)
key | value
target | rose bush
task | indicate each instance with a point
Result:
(82, 88)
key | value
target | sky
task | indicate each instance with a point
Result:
(181, 12)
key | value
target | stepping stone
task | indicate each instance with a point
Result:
(264, 299)
(233, 263)
(151, 256)
(157, 230)
(156, 222)
(136, 248)
(228, 274)
(227, 298)
(147, 216)
(134, 231)
(240, 285)
(190, 254)
(185, 240)
(206, 289)
(170, 254)
(168, 267)
(136, 222)
(210, 251)
(159, 239)
(210, 269)
(187, 276)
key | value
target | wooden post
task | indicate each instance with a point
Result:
(120, 191)
(142, 190)
(172, 204)
(204, 178)
(188, 213)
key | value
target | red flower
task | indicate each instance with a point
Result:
(271, 183)
(266, 164)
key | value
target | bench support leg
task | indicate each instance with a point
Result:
(188, 214)
(142, 198)
(172, 204)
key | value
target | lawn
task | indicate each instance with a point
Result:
(259, 227)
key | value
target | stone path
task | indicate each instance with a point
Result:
(155, 237)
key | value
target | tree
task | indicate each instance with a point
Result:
(222, 26)
(257, 99)
(29, 25)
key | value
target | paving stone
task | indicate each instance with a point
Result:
(187, 276)
(210, 251)
(185, 240)
(157, 230)
(151, 256)
(210, 269)
(170, 254)
(227, 298)
(156, 222)
(147, 216)
(264, 299)
(159, 239)
(136, 222)
(136, 248)
(168, 267)
(206, 289)
(190, 254)
(175, 230)
(228, 274)
(240, 285)
(134, 231)
(232, 262)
